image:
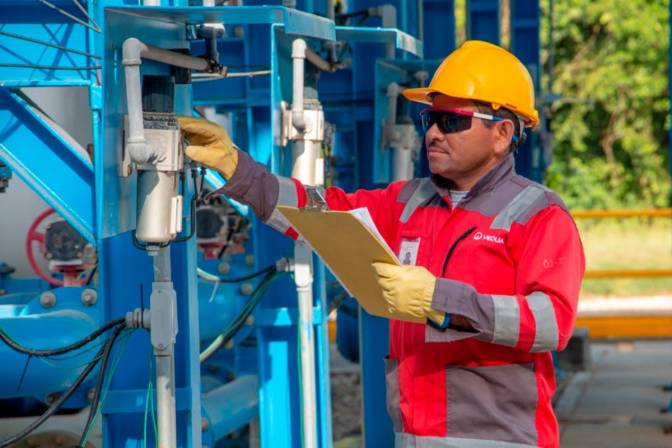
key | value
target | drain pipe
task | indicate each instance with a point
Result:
(298, 65)
(133, 52)
(303, 169)
(400, 137)
(401, 156)
(163, 330)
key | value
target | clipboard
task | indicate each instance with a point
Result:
(348, 247)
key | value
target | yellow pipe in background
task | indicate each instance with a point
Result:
(643, 213)
(625, 327)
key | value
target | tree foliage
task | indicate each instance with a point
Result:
(610, 124)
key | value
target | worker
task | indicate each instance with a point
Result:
(493, 262)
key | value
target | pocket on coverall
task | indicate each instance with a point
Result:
(492, 402)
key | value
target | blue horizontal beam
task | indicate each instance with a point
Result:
(47, 162)
(294, 22)
(401, 40)
(231, 406)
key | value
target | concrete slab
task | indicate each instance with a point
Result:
(617, 402)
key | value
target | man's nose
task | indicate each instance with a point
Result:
(433, 133)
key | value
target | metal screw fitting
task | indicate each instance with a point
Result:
(246, 289)
(91, 394)
(89, 297)
(47, 299)
(205, 425)
(249, 260)
(224, 267)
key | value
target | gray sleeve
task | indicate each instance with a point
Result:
(254, 185)
(458, 298)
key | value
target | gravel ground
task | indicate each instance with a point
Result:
(346, 406)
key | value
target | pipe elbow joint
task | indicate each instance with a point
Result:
(138, 150)
(393, 90)
(132, 51)
(299, 48)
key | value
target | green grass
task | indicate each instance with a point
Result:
(627, 244)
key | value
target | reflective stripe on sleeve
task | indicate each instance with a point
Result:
(507, 320)
(546, 336)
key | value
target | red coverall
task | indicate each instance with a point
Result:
(508, 258)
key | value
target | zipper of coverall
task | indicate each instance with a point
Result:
(453, 247)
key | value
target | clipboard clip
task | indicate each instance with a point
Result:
(315, 199)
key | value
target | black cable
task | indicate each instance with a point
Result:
(192, 226)
(239, 321)
(349, 15)
(59, 351)
(265, 270)
(229, 236)
(93, 272)
(107, 350)
(55, 406)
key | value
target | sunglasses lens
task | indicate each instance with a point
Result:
(447, 122)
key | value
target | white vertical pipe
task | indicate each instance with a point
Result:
(164, 355)
(151, 3)
(303, 276)
(402, 156)
(303, 257)
(298, 63)
(402, 164)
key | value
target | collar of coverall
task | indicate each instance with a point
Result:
(503, 169)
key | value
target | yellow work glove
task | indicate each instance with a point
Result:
(408, 291)
(210, 145)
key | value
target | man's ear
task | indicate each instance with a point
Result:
(503, 135)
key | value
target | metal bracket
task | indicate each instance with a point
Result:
(316, 200)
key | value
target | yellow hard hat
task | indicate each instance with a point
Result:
(483, 72)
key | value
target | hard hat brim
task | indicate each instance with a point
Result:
(419, 94)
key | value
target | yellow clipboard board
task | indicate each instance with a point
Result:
(348, 248)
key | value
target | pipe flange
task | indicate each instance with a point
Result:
(89, 297)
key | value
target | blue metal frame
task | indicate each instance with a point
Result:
(525, 43)
(43, 158)
(483, 20)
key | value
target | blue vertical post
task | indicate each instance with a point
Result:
(439, 28)
(483, 20)
(525, 43)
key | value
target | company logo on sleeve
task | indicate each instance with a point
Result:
(478, 236)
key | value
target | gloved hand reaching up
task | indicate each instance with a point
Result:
(210, 145)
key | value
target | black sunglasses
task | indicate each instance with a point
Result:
(452, 120)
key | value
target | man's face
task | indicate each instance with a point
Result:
(460, 155)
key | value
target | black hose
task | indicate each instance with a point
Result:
(59, 351)
(107, 350)
(265, 270)
(55, 406)
(239, 321)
